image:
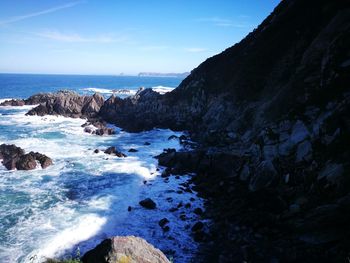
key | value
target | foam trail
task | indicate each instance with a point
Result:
(86, 228)
(162, 89)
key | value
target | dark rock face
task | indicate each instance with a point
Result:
(66, 103)
(124, 249)
(101, 126)
(15, 158)
(26, 162)
(113, 151)
(13, 103)
(148, 203)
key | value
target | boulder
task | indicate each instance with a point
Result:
(113, 151)
(299, 132)
(66, 103)
(15, 158)
(44, 160)
(148, 203)
(304, 151)
(26, 162)
(128, 249)
(264, 176)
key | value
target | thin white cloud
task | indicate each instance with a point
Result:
(77, 38)
(39, 13)
(222, 22)
(214, 20)
(195, 49)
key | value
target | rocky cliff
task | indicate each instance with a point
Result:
(271, 114)
(272, 118)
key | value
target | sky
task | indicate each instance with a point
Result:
(112, 36)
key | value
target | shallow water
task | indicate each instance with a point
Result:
(84, 197)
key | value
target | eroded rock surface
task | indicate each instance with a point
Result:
(124, 249)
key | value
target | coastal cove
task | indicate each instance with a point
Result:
(246, 159)
(84, 197)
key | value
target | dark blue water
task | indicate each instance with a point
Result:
(25, 85)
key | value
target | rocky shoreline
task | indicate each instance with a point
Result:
(270, 118)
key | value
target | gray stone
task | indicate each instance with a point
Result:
(264, 176)
(245, 173)
(125, 249)
(304, 151)
(299, 133)
(270, 152)
(332, 172)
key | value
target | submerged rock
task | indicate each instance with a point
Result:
(128, 249)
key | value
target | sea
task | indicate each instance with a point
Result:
(83, 198)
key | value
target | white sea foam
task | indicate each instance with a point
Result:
(86, 227)
(162, 89)
(111, 91)
(5, 99)
(84, 196)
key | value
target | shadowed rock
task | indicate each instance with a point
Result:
(14, 157)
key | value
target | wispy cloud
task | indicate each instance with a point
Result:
(195, 49)
(155, 47)
(222, 22)
(77, 38)
(39, 13)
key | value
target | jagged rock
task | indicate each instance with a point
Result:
(15, 158)
(264, 175)
(67, 103)
(113, 151)
(124, 249)
(43, 159)
(148, 203)
(13, 103)
(132, 150)
(26, 162)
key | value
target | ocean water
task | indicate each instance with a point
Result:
(83, 197)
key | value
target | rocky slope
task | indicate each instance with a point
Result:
(272, 117)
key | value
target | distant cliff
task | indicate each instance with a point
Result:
(157, 74)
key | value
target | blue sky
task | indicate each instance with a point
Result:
(129, 36)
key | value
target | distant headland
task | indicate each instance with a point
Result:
(157, 74)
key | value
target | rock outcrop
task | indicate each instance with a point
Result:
(124, 249)
(14, 157)
(66, 103)
(271, 115)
